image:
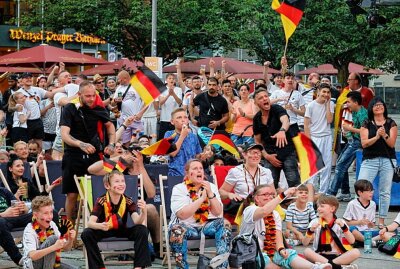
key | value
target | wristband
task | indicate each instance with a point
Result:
(280, 249)
(309, 233)
(123, 125)
(344, 228)
(212, 197)
(282, 195)
(387, 230)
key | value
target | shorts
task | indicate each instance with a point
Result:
(330, 257)
(131, 130)
(35, 129)
(279, 260)
(19, 134)
(373, 232)
(58, 144)
(75, 163)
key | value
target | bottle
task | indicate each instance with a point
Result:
(367, 241)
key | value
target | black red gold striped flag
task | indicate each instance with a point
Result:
(147, 84)
(121, 165)
(291, 13)
(222, 139)
(309, 156)
(161, 147)
(108, 165)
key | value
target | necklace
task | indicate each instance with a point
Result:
(254, 179)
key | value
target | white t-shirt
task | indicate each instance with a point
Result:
(249, 225)
(16, 122)
(397, 219)
(169, 105)
(300, 218)
(242, 181)
(356, 211)
(31, 239)
(296, 100)
(57, 98)
(131, 104)
(150, 112)
(180, 198)
(336, 229)
(319, 125)
(34, 96)
(71, 89)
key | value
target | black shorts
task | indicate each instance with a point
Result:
(35, 129)
(19, 134)
(74, 163)
(330, 257)
(49, 137)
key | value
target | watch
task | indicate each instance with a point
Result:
(212, 197)
(282, 129)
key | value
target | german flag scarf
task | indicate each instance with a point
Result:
(43, 235)
(270, 235)
(201, 214)
(327, 235)
(113, 220)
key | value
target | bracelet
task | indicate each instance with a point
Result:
(282, 195)
(345, 228)
(123, 125)
(212, 197)
(387, 230)
(280, 249)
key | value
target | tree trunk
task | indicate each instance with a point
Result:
(343, 74)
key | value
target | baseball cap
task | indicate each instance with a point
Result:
(253, 146)
(13, 77)
(26, 75)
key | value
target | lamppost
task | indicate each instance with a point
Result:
(154, 28)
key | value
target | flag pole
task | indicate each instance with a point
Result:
(286, 45)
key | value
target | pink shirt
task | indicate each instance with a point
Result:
(242, 122)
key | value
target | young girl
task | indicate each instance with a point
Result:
(19, 128)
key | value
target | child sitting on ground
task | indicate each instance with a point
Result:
(108, 219)
(388, 231)
(299, 215)
(42, 239)
(360, 212)
(327, 232)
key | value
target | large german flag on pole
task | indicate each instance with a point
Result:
(147, 84)
(309, 156)
(291, 13)
(222, 139)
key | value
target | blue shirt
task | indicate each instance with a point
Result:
(189, 149)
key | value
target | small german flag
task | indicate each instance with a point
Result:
(291, 13)
(162, 147)
(397, 254)
(222, 139)
(121, 165)
(108, 165)
(309, 156)
(147, 84)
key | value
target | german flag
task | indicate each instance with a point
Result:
(147, 84)
(291, 13)
(346, 244)
(397, 254)
(162, 147)
(108, 165)
(222, 139)
(309, 156)
(121, 165)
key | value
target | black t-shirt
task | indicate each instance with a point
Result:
(98, 209)
(211, 109)
(83, 131)
(379, 148)
(273, 125)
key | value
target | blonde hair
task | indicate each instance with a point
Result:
(20, 143)
(12, 101)
(107, 178)
(41, 201)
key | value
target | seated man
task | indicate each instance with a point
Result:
(43, 241)
(12, 215)
(108, 219)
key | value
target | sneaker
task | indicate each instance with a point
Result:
(346, 197)
(377, 243)
(318, 265)
(350, 266)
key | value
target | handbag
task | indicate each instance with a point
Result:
(396, 169)
(390, 247)
(205, 262)
(244, 252)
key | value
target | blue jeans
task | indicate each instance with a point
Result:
(179, 233)
(243, 140)
(381, 166)
(346, 158)
(289, 167)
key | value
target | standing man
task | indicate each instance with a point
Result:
(270, 126)
(79, 131)
(213, 107)
(129, 104)
(34, 95)
(169, 101)
(12, 87)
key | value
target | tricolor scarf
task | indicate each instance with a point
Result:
(270, 235)
(43, 235)
(114, 221)
(327, 235)
(201, 214)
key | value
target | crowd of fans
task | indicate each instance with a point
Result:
(81, 123)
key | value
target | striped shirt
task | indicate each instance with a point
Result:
(300, 218)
